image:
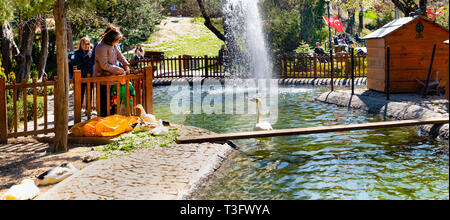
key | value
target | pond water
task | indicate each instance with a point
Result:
(392, 163)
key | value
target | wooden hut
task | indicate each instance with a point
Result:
(447, 87)
(411, 41)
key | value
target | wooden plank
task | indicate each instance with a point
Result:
(3, 113)
(108, 100)
(35, 105)
(15, 107)
(375, 43)
(97, 99)
(30, 133)
(45, 105)
(312, 130)
(127, 99)
(25, 102)
(88, 100)
(149, 90)
(77, 96)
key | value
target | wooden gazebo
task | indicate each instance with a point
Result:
(411, 41)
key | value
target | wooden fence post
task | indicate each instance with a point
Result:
(77, 96)
(315, 65)
(180, 66)
(206, 66)
(148, 79)
(352, 58)
(347, 65)
(3, 113)
(284, 64)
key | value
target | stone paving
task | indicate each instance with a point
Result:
(165, 173)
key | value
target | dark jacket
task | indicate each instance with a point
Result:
(319, 51)
(83, 62)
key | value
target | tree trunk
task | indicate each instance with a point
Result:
(361, 20)
(44, 48)
(9, 47)
(69, 36)
(62, 84)
(208, 22)
(351, 22)
(25, 59)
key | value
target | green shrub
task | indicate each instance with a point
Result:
(20, 113)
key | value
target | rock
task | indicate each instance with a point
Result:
(91, 156)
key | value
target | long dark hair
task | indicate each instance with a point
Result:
(111, 34)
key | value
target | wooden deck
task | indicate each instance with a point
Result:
(311, 130)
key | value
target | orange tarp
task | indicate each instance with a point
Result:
(104, 127)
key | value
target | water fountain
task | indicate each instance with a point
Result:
(245, 39)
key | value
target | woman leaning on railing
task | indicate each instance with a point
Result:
(106, 56)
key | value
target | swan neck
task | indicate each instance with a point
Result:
(259, 112)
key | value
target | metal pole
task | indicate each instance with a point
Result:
(332, 69)
(329, 26)
(330, 46)
(429, 72)
(352, 50)
(388, 76)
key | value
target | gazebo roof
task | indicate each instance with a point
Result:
(395, 25)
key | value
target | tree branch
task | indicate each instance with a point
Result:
(208, 22)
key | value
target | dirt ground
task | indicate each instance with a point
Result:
(26, 158)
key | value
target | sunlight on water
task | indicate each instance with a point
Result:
(369, 164)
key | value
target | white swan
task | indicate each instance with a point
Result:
(26, 190)
(56, 174)
(260, 126)
(144, 116)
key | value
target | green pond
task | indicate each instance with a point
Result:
(393, 163)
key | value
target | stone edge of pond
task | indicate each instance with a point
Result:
(388, 109)
(207, 169)
(285, 81)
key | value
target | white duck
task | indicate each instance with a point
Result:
(260, 126)
(26, 190)
(160, 130)
(56, 174)
(144, 116)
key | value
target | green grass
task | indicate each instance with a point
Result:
(136, 140)
(198, 42)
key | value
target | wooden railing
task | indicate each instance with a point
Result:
(292, 66)
(141, 81)
(23, 87)
(319, 66)
(181, 66)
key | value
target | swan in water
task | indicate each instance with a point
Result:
(144, 116)
(260, 126)
(57, 174)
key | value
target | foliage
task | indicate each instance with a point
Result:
(283, 30)
(136, 140)
(303, 48)
(137, 19)
(2, 70)
(385, 15)
(443, 18)
(287, 22)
